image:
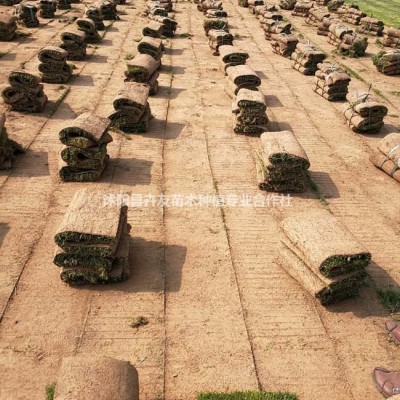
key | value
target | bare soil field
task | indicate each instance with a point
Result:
(223, 315)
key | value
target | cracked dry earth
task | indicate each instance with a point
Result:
(222, 313)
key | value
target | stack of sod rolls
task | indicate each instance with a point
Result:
(354, 16)
(143, 69)
(336, 33)
(217, 38)
(215, 23)
(230, 56)
(254, 3)
(391, 38)
(241, 76)
(331, 82)
(153, 29)
(323, 26)
(88, 26)
(108, 10)
(306, 58)
(64, 4)
(26, 14)
(53, 65)
(371, 26)
(151, 46)
(8, 148)
(169, 25)
(302, 9)
(283, 163)
(47, 8)
(387, 62)
(271, 27)
(334, 5)
(101, 378)
(353, 45)
(84, 157)
(322, 255)
(264, 15)
(25, 92)
(209, 5)
(284, 44)
(386, 156)
(132, 110)
(74, 42)
(93, 12)
(287, 4)
(249, 112)
(316, 16)
(93, 240)
(8, 27)
(364, 114)
(216, 14)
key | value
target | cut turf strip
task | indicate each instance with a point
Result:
(250, 395)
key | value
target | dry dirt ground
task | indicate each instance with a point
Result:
(222, 313)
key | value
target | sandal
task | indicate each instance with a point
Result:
(387, 382)
(394, 331)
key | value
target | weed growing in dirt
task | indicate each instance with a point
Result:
(129, 56)
(316, 190)
(390, 298)
(137, 322)
(186, 35)
(50, 390)
(247, 396)
(396, 93)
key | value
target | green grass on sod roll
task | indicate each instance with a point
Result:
(249, 395)
(390, 298)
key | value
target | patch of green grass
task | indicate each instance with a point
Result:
(186, 35)
(50, 390)
(353, 73)
(250, 395)
(137, 322)
(387, 11)
(390, 298)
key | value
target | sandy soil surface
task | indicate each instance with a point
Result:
(222, 313)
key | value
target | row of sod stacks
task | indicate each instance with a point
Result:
(284, 44)
(53, 65)
(209, 5)
(25, 92)
(169, 25)
(74, 42)
(153, 29)
(88, 26)
(271, 27)
(306, 58)
(321, 254)
(371, 26)
(151, 46)
(302, 9)
(241, 76)
(64, 4)
(8, 27)
(391, 38)
(249, 112)
(93, 12)
(143, 69)
(47, 8)
(283, 163)
(217, 38)
(331, 82)
(287, 4)
(26, 14)
(93, 240)
(132, 110)
(353, 16)
(84, 155)
(386, 156)
(230, 56)
(387, 62)
(364, 114)
(316, 16)
(216, 24)
(8, 148)
(108, 10)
